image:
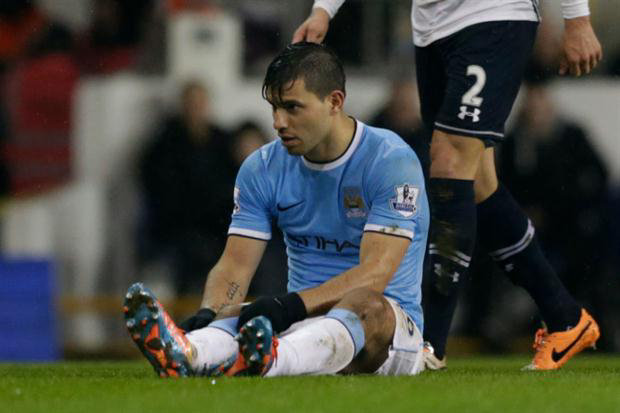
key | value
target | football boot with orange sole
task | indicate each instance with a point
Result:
(257, 348)
(555, 349)
(163, 343)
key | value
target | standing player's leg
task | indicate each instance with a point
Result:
(508, 234)
(354, 337)
(454, 162)
(483, 65)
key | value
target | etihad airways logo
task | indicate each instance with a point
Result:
(321, 243)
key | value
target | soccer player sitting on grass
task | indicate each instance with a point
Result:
(351, 203)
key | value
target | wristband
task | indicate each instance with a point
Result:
(572, 9)
(295, 307)
(330, 6)
(206, 312)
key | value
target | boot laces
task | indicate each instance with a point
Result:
(274, 350)
(540, 339)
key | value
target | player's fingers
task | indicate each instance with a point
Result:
(585, 66)
(575, 68)
(299, 35)
(315, 37)
(593, 61)
(563, 67)
(599, 54)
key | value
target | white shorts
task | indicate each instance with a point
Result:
(405, 356)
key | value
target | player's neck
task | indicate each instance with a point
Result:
(336, 143)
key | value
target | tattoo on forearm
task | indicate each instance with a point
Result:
(233, 287)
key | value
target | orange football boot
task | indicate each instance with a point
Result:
(163, 343)
(553, 350)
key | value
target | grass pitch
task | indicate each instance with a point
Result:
(586, 384)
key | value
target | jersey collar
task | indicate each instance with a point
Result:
(342, 159)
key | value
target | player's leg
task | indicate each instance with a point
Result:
(484, 64)
(354, 337)
(507, 233)
(453, 211)
(214, 347)
(215, 350)
(355, 333)
(454, 162)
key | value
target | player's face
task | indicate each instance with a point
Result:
(302, 120)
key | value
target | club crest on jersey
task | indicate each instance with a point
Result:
(405, 201)
(354, 203)
(236, 207)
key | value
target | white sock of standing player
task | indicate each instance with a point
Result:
(324, 346)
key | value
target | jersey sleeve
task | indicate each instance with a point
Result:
(330, 6)
(397, 194)
(251, 215)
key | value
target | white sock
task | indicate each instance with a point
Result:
(214, 346)
(325, 346)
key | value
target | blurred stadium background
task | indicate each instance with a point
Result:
(91, 102)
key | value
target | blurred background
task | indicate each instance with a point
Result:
(123, 123)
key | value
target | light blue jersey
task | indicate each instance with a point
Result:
(323, 209)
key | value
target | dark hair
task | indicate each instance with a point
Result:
(316, 64)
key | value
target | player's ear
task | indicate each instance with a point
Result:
(336, 100)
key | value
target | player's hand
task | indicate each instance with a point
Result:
(581, 49)
(201, 319)
(314, 28)
(282, 311)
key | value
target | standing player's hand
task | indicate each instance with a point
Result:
(282, 311)
(201, 319)
(314, 29)
(581, 49)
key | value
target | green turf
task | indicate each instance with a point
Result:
(586, 384)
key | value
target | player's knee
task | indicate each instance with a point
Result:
(454, 157)
(369, 305)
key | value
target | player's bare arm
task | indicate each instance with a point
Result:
(314, 28)
(229, 280)
(380, 256)
(581, 50)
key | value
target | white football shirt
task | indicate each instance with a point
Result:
(435, 19)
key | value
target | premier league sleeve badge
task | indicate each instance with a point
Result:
(405, 201)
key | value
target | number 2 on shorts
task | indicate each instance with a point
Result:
(471, 97)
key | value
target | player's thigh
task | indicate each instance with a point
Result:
(484, 66)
